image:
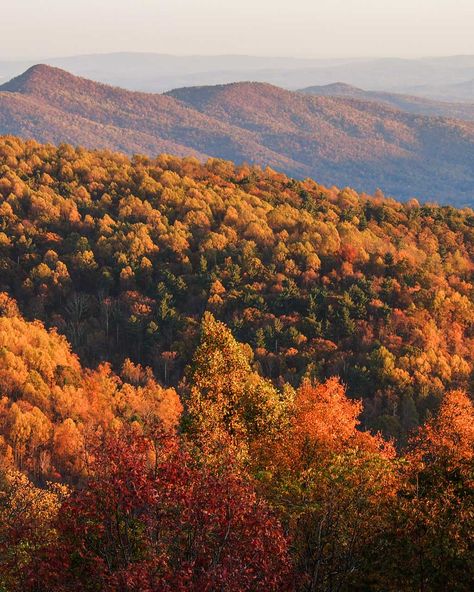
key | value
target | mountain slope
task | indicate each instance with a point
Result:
(408, 103)
(124, 255)
(337, 140)
(27, 117)
(343, 141)
(148, 122)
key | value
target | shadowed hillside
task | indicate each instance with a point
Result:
(365, 144)
(408, 103)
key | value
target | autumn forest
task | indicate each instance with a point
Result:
(218, 378)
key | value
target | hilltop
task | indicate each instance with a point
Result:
(154, 72)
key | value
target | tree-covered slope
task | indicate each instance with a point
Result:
(124, 256)
(269, 323)
(363, 144)
(102, 116)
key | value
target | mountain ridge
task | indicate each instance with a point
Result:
(163, 118)
(410, 103)
(152, 72)
(337, 140)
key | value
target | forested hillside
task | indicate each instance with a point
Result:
(337, 140)
(216, 377)
(123, 257)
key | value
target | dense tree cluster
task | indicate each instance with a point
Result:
(113, 484)
(219, 379)
(123, 257)
(50, 407)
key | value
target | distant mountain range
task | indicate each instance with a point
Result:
(337, 140)
(448, 78)
(460, 91)
(408, 103)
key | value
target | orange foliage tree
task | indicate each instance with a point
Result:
(332, 484)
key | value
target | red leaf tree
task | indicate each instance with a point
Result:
(147, 526)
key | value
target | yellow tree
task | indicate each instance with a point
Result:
(228, 401)
(27, 516)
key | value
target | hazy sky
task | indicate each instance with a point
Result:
(313, 28)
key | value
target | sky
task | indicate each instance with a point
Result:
(300, 28)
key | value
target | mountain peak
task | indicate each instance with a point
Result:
(36, 78)
(247, 94)
(335, 88)
(340, 86)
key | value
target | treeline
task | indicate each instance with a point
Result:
(112, 483)
(124, 256)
